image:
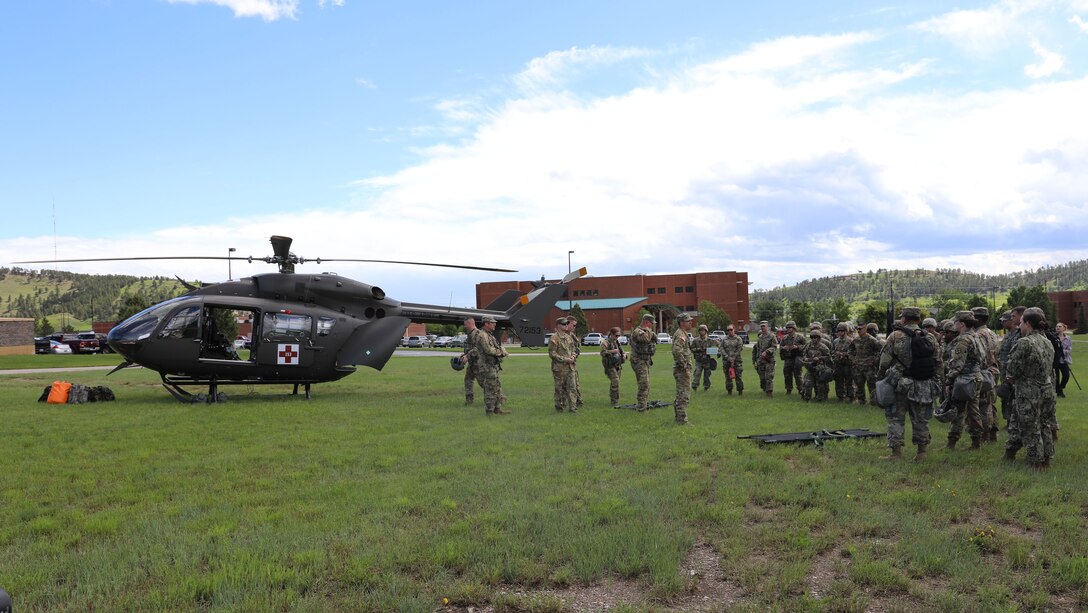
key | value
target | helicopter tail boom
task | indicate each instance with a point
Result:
(525, 316)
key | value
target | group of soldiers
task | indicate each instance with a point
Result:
(924, 361)
(849, 359)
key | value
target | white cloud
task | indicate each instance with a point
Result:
(553, 68)
(983, 30)
(324, 3)
(268, 10)
(366, 83)
(1080, 23)
(1049, 62)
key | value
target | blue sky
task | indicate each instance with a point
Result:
(788, 140)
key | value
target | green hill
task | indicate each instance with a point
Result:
(74, 298)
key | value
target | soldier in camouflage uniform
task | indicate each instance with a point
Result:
(930, 325)
(1010, 320)
(949, 333)
(700, 346)
(966, 359)
(840, 358)
(824, 338)
(917, 396)
(470, 359)
(490, 354)
(763, 358)
(1029, 370)
(790, 347)
(643, 345)
(815, 357)
(864, 352)
(563, 350)
(732, 358)
(987, 401)
(682, 367)
(612, 358)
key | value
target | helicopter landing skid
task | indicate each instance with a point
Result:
(174, 386)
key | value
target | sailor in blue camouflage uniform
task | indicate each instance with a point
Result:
(912, 397)
(790, 348)
(1029, 370)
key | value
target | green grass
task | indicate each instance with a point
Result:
(386, 493)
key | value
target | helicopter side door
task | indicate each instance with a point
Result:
(286, 339)
(180, 338)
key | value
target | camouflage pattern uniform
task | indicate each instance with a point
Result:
(1029, 368)
(864, 352)
(613, 366)
(987, 401)
(643, 346)
(563, 350)
(814, 357)
(699, 346)
(896, 354)
(1011, 336)
(790, 348)
(732, 350)
(490, 354)
(844, 374)
(471, 366)
(681, 371)
(763, 359)
(965, 360)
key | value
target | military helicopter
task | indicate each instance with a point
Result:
(307, 328)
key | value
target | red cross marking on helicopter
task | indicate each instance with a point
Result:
(287, 355)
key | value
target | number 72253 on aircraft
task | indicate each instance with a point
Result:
(307, 328)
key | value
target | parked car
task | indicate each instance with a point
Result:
(418, 341)
(404, 342)
(622, 339)
(84, 342)
(548, 337)
(663, 338)
(592, 338)
(443, 341)
(458, 340)
(103, 345)
(47, 344)
(743, 334)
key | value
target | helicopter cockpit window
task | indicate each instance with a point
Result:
(287, 325)
(184, 324)
(142, 324)
(324, 325)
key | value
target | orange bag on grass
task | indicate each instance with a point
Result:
(58, 393)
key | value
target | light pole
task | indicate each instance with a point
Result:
(229, 251)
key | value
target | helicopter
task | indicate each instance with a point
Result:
(307, 328)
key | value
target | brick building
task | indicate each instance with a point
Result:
(16, 336)
(616, 301)
(1068, 307)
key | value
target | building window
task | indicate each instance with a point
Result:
(679, 289)
(651, 290)
(689, 289)
(661, 290)
(595, 292)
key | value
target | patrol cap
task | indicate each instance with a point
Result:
(487, 319)
(911, 313)
(1006, 316)
(684, 317)
(647, 317)
(703, 327)
(791, 324)
(763, 323)
(562, 321)
(981, 312)
(948, 326)
(966, 317)
(929, 322)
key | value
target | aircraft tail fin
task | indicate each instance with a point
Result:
(527, 316)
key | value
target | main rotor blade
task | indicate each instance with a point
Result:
(320, 260)
(175, 257)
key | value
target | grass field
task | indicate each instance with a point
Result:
(385, 493)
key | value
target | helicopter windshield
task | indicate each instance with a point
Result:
(142, 324)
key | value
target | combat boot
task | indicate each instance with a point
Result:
(921, 455)
(558, 409)
(976, 443)
(1010, 454)
(789, 391)
(1054, 434)
(501, 411)
(896, 454)
(951, 444)
(770, 393)
(740, 392)
(729, 391)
